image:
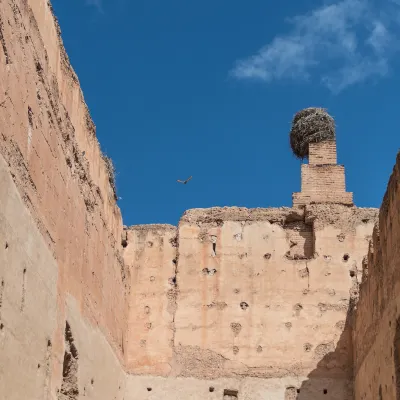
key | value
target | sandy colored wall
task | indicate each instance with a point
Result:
(28, 299)
(255, 301)
(151, 253)
(48, 143)
(377, 323)
(99, 374)
(260, 293)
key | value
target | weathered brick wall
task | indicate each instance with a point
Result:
(322, 181)
(48, 143)
(260, 293)
(255, 301)
(377, 320)
(322, 153)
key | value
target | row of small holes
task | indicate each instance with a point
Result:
(211, 389)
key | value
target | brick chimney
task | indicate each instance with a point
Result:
(322, 180)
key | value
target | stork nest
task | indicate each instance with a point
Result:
(311, 125)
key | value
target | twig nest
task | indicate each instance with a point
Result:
(311, 125)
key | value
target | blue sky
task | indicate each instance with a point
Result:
(208, 88)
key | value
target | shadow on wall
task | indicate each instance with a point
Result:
(332, 378)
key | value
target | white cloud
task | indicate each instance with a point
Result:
(380, 39)
(96, 3)
(340, 44)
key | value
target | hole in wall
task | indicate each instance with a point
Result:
(211, 389)
(209, 272)
(352, 274)
(174, 261)
(244, 305)
(307, 347)
(238, 237)
(6, 246)
(92, 381)
(149, 389)
(236, 328)
(232, 393)
(288, 325)
(325, 391)
(30, 116)
(172, 281)
(297, 308)
(346, 257)
(301, 240)
(150, 244)
(304, 273)
(1, 327)
(214, 249)
(341, 237)
(124, 243)
(365, 221)
(69, 386)
(298, 390)
(267, 256)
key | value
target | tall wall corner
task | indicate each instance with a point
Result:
(322, 179)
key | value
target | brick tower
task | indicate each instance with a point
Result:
(322, 179)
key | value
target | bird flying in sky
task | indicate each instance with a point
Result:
(185, 182)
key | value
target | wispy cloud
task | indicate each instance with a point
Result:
(98, 4)
(338, 44)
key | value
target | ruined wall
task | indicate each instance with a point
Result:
(150, 253)
(262, 302)
(377, 323)
(235, 303)
(69, 242)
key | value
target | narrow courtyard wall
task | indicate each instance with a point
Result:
(376, 333)
(234, 303)
(60, 226)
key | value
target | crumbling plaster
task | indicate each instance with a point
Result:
(254, 303)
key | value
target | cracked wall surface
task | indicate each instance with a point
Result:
(53, 174)
(377, 323)
(260, 293)
(234, 303)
